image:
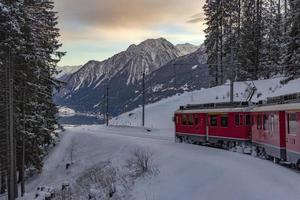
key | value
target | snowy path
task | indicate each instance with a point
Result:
(187, 172)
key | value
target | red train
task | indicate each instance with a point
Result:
(270, 129)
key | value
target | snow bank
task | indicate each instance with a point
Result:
(186, 171)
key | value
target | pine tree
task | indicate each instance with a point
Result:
(247, 56)
(212, 37)
(271, 39)
(292, 46)
(29, 32)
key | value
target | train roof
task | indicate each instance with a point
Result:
(290, 102)
(223, 107)
(287, 102)
(277, 107)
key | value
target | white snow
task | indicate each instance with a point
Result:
(186, 171)
(195, 67)
(65, 111)
(159, 115)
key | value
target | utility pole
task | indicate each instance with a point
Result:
(232, 68)
(143, 117)
(231, 78)
(11, 147)
(106, 112)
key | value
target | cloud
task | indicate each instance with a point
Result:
(200, 17)
(123, 22)
(126, 13)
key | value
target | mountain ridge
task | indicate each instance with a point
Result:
(122, 73)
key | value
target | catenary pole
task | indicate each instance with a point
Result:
(144, 93)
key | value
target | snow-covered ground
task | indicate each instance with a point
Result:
(159, 115)
(186, 171)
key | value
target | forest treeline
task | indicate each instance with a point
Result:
(252, 39)
(29, 47)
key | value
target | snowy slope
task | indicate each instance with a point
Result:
(66, 71)
(186, 171)
(159, 115)
(187, 48)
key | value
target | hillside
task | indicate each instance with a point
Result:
(159, 114)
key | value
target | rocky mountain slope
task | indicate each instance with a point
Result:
(66, 71)
(187, 48)
(122, 74)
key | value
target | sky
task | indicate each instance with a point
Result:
(98, 29)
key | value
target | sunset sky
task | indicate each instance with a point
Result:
(98, 29)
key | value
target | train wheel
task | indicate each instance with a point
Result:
(254, 152)
(178, 139)
(276, 160)
(298, 165)
(189, 141)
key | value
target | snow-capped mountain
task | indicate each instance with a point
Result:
(186, 73)
(122, 74)
(187, 48)
(66, 71)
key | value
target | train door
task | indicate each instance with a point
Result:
(292, 136)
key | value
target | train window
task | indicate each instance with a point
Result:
(248, 120)
(177, 119)
(213, 120)
(184, 120)
(265, 122)
(224, 121)
(237, 120)
(272, 123)
(292, 123)
(191, 119)
(196, 120)
(241, 120)
(258, 122)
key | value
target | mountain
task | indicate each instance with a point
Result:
(185, 73)
(187, 48)
(86, 87)
(66, 71)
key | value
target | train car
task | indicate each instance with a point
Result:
(276, 128)
(268, 132)
(224, 124)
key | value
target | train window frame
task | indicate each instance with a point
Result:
(272, 122)
(265, 119)
(294, 131)
(215, 117)
(190, 120)
(242, 119)
(227, 121)
(248, 120)
(196, 120)
(177, 119)
(184, 121)
(259, 121)
(237, 119)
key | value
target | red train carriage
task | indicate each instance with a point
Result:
(271, 129)
(293, 135)
(268, 132)
(225, 124)
(276, 128)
